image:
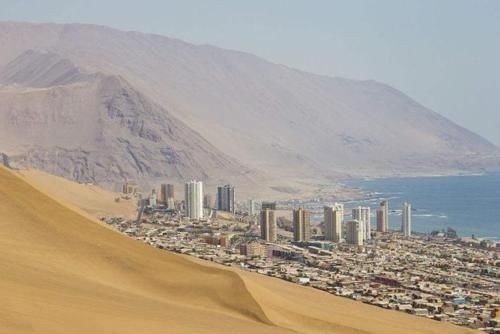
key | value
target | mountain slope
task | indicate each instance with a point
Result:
(95, 127)
(62, 272)
(287, 123)
(36, 69)
(268, 108)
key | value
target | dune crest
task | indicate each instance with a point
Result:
(89, 198)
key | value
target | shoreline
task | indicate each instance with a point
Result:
(358, 194)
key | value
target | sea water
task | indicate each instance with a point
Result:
(468, 204)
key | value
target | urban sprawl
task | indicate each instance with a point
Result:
(438, 275)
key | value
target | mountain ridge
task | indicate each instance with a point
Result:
(278, 122)
(121, 118)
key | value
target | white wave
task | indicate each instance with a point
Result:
(430, 215)
(489, 238)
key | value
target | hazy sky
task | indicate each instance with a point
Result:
(443, 53)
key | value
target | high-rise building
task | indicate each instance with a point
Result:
(163, 194)
(268, 228)
(251, 207)
(383, 217)
(380, 220)
(208, 201)
(268, 205)
(193, 194)
(362, 215)
(171, 203)
(333, 222)
(354, 233)
(301, 225)
(406, 220)
(170, 191)
(167, 195)
(340, 208)
(153, 199)
(225, 198)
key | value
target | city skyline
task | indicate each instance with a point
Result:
(335, 227)
(250, 167)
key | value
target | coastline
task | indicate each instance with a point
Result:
(465, 203)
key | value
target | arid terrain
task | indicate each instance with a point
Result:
(99, 105)
(62, 272)
(88, 198)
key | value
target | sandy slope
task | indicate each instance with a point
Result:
(62, 273)
(90, 198)
(308, 310)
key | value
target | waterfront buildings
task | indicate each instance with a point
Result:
(406, 220)
(225, 198)
(333, 222)
(383, 217)
(268, 228)
(301, 225)
(354, 233)
(193, 194)
(362, 215)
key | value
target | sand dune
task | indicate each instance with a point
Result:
(62, 273)
(90, 198)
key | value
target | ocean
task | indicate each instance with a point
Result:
(468, 204)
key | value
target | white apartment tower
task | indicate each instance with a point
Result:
(193, 194)
(406, 220)
(362, 215)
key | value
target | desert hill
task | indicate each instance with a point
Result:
(88, 198)
(225, 109)
(62, 272)
(96, 128)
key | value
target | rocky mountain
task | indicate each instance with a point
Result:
(95, 127)
(115, 105)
